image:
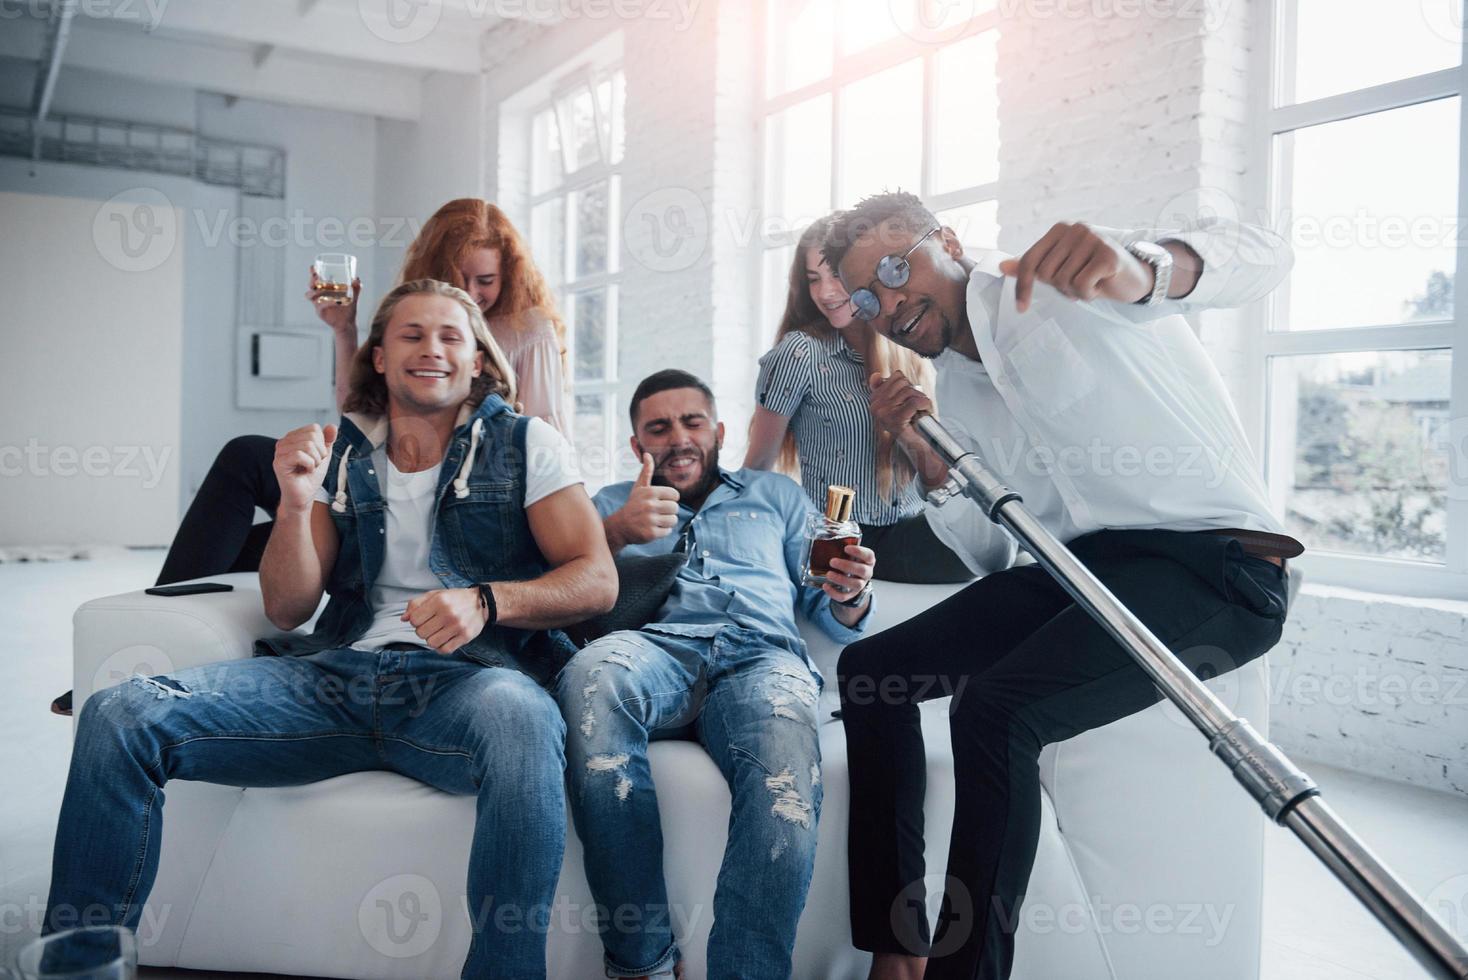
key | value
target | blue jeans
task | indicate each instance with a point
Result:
(446, 721)
(750, 700)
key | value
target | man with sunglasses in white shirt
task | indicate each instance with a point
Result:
(1070, 372)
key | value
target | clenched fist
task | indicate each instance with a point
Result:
(300, 462)
(649, 513)
(895, 400)
(446, 619)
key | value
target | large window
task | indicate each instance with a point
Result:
(863, 96)
(1366, 140)
(576, 146)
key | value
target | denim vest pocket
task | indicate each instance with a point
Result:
(479, 528)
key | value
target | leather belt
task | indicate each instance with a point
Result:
(1273, 548)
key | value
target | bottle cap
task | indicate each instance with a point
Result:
(839, 501)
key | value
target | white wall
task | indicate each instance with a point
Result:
(421, 166)
(83, 458)
(331, 183)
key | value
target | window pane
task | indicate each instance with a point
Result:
(1363, 457)
(545, 152)
(966, 120)
(591, 209)
(798, 42)
(611, 96)
(1349, 44)
(589, 432)
(548, 239)
(863, 24)
(774, 290)
(882, 133)
(977, 225)
(798, 164)
(589, 340)
(1372, 216)
(580, 140)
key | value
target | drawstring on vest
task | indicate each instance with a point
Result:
(461, 482)
(340, 503)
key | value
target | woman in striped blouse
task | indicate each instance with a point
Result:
(813, 422)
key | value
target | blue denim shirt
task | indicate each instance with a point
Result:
(744, 552)
(480, 534)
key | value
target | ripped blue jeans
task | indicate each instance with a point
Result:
(750, 700)
(444, 720)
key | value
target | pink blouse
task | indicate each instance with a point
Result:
(529, 341)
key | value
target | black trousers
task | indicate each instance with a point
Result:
(219, 533)
(1035, 668)
(909, 551)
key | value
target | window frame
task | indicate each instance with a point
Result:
(845, 70)
(571, 286)
(1274, 50)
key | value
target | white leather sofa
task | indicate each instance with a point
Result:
(1149, 863)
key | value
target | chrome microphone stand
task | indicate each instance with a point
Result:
(1287, 795)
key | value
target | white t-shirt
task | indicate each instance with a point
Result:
(408, 517)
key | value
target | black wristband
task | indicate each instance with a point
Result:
(487, 603)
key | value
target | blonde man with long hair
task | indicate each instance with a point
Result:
(450, 563)
(812, 421)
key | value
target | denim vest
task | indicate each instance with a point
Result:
(480, 534)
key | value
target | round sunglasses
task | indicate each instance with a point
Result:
(893, 272)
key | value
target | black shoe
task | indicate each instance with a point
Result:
(62, 705)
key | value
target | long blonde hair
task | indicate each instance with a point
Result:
(894, 469)
(368, 389)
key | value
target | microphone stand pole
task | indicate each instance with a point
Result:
(1287, 795)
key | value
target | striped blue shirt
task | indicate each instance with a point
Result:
(821, 387)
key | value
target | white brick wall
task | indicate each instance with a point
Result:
(1133, 118)
(1378, 684)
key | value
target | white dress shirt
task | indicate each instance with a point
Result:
(1103, 414)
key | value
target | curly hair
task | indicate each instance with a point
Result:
(906, 211)
(368, 391)
(464, 225)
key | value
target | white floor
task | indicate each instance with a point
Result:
(1314, 929)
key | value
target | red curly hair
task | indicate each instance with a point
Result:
(465, 225)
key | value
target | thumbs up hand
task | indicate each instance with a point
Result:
(651, 512)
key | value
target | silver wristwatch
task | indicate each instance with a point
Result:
(1160, 259)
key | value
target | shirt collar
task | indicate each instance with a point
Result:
(842, 347)
(726, 478)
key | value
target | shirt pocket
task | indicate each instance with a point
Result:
(1051, 371)
(754, 536)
